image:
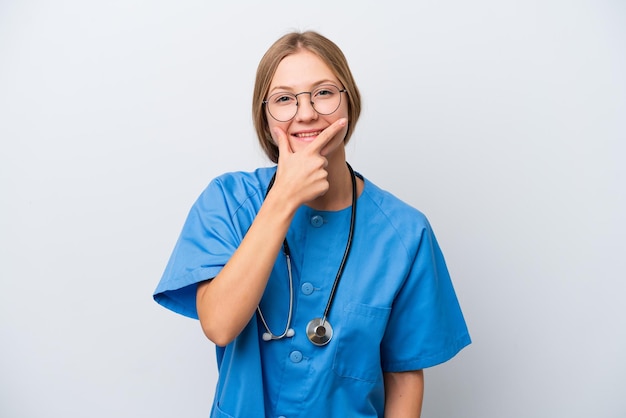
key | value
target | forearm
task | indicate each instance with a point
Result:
(226, 303)
(404, 393)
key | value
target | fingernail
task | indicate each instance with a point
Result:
(343, 121)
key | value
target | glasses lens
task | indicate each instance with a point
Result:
(284, 106)
(326, 99)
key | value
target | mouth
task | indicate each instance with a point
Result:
(307, 136)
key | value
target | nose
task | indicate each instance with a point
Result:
(305, 110)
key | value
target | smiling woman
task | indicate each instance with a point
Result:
(320, 52)
(283, 265)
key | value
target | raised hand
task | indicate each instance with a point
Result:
(301, 176)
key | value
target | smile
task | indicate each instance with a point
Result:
(307, 134)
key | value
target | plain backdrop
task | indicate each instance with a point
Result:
(503, 121)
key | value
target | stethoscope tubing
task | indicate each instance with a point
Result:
(316, 322)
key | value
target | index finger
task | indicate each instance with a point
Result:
(327, 134)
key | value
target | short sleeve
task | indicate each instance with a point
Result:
(208, 239)
(426, 326)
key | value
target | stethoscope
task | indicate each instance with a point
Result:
(318, 330)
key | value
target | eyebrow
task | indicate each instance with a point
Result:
(317, 84)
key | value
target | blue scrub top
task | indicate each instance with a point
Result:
(395, 308)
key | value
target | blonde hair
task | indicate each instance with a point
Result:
(287, 45)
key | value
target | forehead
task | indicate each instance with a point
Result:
(302, 70)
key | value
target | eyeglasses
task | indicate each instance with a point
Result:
(325, 100)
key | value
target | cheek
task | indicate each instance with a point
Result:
(344, 111)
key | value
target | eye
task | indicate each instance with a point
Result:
(324, 92)
(282, 99)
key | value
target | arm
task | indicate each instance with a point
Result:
(226, 303)
(404, 392)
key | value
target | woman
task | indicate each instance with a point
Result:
(325, 295)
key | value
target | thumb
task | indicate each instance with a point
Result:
(280, 138)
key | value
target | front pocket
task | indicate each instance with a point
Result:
(218, 413)
(357, 352)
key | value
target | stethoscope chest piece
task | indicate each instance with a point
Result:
(319, 331)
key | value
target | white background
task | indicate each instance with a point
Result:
(503, 121)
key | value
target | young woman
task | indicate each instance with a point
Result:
(325, 295)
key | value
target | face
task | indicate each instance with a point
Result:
(303, 72)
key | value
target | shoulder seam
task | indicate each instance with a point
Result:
(391, 223)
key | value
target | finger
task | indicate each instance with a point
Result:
(327, 134)
(280, 138)
(333, 144)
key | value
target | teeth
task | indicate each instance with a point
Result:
(307, 135)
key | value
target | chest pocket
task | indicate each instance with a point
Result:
(357, 353)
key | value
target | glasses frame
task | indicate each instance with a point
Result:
(310, 93)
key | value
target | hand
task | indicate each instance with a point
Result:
(301, 176)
